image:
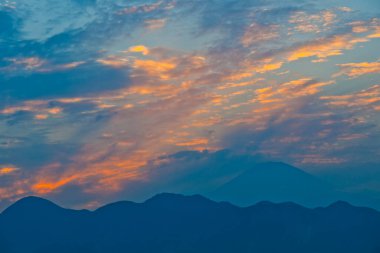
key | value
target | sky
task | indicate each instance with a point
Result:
(105, 100)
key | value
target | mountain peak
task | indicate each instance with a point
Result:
(340, 204)
(279, 164)
(275, 182)
(30, 204)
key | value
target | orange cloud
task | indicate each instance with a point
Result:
(260, 66)
(312, 23)
(55, 110)
(7, 170)
(28, 63)
(269, 67)
(289, 91)
(325, 47)
(70, 100)
(70, 65)
(38, 107)
(107, 176)
(14, 109)
(194, 142)
(155, 68)
(238, 76)
(45, 187)
(375, 27)
(369, 98)
(371, 28)
(160, 90)
(357, 69)
(376, 33)
(256, 34)
(359, 29)
(41, 116)
(239, 85)
(139, 49)
(302, 87)
(109, 162)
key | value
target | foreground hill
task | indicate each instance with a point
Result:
(176, 223)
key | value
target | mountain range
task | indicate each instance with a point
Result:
(178, 223)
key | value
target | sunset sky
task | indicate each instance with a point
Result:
(99, 99)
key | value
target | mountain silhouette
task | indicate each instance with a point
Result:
(177, 223)
(276, 182)
(31, 219)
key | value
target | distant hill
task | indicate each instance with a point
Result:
(276, 182)
(177, 223)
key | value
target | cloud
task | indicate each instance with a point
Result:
(143, 8)
(7, 170)
(364, 99)
(155, 68)
(375, 34)
(139, 49)
(325, 47)
(312, 23)
(154, 24)
(257, 33)
(357, 69)
(35, 64)
(345, 9)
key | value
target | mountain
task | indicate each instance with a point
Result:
(276, 182)
(177, 223)
(32, 221)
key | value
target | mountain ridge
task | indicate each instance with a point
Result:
(178, 223)
(33, 200)
(164, 196)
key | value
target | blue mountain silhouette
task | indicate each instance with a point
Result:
(177, 223)
(276, 182)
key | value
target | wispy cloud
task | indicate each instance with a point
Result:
(357, 69)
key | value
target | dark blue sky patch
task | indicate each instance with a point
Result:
(8, 25)
(84, 80)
